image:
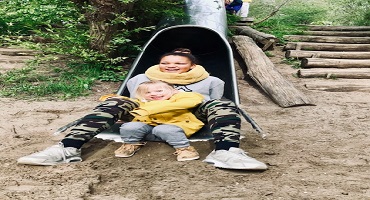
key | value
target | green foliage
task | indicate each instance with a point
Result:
(285, 21)
(351, 12)
(269, 54)
(25, 16)
(156, 10)
(63, 82)
(232, 19)
(318, 12)
(296, 64)
(63, 29)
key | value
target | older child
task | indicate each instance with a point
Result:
(233, 6)
(180, 69)
(163, 115)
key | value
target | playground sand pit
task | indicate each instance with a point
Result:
(313, 152)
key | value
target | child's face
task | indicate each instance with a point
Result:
(158, 92)
(175, 64)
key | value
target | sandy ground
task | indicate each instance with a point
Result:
(313, 152)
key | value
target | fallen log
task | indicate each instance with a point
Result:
(350, 73)
(267, 41)
(335, 63)
(339, 33)
(326, 46)
(340, 85)
(337, 28)
(328, 39)
(327, 54)
(264, 73)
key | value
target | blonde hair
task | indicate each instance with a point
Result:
(142, 89)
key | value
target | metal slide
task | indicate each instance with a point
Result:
(204, 31)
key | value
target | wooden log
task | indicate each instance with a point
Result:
(328, 39)
(337, 28)
(264, 73)
(350, 73)
(326, 46)
(267, 41)
(340, 85)
(327, 54)
(339, 33)
(335, 63)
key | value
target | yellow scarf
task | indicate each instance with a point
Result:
(196, 74)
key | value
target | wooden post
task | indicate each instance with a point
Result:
(328, 39)
(326, 46)
(350, 73)
(263, 72)
(327, 54)
(337, 28)
(336, 63)
(339, 33)
(267, 41)
(340, 85)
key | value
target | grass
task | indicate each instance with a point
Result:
(269, 54)
(296, 64)
(58, 81)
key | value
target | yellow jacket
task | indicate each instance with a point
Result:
(173, 111)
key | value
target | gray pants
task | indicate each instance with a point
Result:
(135, 132)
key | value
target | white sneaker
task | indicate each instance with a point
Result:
(53, 155)
(234, 158)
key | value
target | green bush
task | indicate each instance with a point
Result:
(25, 16)
(59, 27)
(288, 19)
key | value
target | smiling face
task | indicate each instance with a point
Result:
(157, 92)
(154, 91)
(175, 64)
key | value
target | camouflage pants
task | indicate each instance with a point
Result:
(222, 117)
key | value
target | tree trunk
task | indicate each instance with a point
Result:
(328, 39)
(351, 73)
(335, 63)
(267, 41)
(327, 54)
(263, 72)
(101, 33)
(100, 20)
(337, 28)
(326, 46)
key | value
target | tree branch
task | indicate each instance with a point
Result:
(272, 13)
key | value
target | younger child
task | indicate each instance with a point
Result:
(163, 115)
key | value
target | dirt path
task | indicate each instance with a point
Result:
(313, 152)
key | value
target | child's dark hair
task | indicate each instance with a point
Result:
(190, 56)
